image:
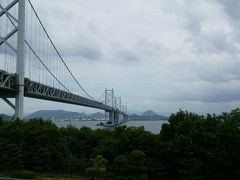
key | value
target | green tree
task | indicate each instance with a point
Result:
(43, 143)
(98, 168)
(11, 157)
(120, 166)
(137, 166)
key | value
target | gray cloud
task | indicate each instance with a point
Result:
(84, 46)
(204, 36)
(214, 42)
(215, 97)
(231, 7)
(203, 91)
(128, 56)
(85, 52)
(217, 73)
(231, 10)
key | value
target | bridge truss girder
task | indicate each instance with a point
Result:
(40, 91)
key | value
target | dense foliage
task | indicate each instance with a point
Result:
(189, 146)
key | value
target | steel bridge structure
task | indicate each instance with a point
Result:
(37, 68)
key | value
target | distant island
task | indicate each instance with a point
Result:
(148, 115)
(5, 117)
(61, 114)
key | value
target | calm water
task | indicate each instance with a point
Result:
(152, 126)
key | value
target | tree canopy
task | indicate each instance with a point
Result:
(189, 146)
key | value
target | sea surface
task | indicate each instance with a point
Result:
(152, 126)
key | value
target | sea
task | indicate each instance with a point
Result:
(151, 126)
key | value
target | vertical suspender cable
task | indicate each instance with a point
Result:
(59, 55)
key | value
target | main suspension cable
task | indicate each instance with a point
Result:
(59, 55)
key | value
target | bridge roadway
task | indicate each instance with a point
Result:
(37, 90)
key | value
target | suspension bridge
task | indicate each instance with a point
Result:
(32, 66)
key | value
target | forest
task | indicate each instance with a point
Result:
(189, 146)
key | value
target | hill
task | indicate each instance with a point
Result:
(149, 113)
(61, 114)
(56, 114)
(5, 117)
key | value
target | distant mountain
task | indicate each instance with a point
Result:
(147, 116)
(56, 114)
(5, 117)
(149, 113)
(61, 114)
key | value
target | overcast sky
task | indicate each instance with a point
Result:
(157, 54)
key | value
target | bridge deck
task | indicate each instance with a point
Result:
(41, 91)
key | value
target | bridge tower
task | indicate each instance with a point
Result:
(124, 109)
(19, 29)
(118, 105)
(109, 100)
(19, 100)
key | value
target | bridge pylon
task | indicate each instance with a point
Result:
(18, 28)
(20, 71)
(117, 113)
(109, 101)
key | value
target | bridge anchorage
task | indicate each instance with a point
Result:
(31, 65)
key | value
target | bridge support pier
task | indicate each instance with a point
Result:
(116, 117)
(109, 116)
(19, 100)
(113, 116)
